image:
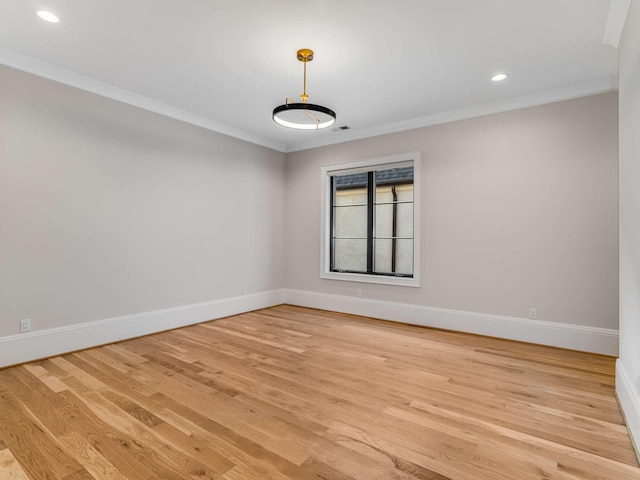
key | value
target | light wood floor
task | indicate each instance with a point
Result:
(289, 393)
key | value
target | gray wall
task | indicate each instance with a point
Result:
(629, 363)
(518, 210)
(108, 210)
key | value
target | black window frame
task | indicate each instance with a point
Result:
(371, 186)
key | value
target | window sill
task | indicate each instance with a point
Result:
(364, 278)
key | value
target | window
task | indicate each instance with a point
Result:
(370, 220)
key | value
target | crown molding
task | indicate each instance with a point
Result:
(601, 85)
(67, 77)
(618, 11)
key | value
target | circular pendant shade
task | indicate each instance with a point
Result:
(304, 116)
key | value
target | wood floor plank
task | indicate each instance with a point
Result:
(98, 466)
(289, 393)
(10, 468)
(80, 475)
(128, 455)
(40, 400)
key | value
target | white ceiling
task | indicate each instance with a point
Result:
(380, 65)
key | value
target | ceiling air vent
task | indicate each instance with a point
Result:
(338, 129)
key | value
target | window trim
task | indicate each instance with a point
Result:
(327, 171)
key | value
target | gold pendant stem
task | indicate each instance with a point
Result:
(304, 95)
(305, 55)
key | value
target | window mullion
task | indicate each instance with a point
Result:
(370, 219)
(394, 228)
(332, 225)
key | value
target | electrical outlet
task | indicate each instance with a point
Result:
(243, 290)
(533, 313)
(25, 325)
(359, 292)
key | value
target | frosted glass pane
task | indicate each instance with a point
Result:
(351, 196)
(404, 226)
(350, 221)
(403, 256)
(384, 220)
(350, 255)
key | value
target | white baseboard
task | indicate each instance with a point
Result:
(575, 337)
(40, 344)
(629, 404)
(46, 343)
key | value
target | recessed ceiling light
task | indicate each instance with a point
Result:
(47, 16)
(499, 77)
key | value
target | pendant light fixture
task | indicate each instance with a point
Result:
(303, 115)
